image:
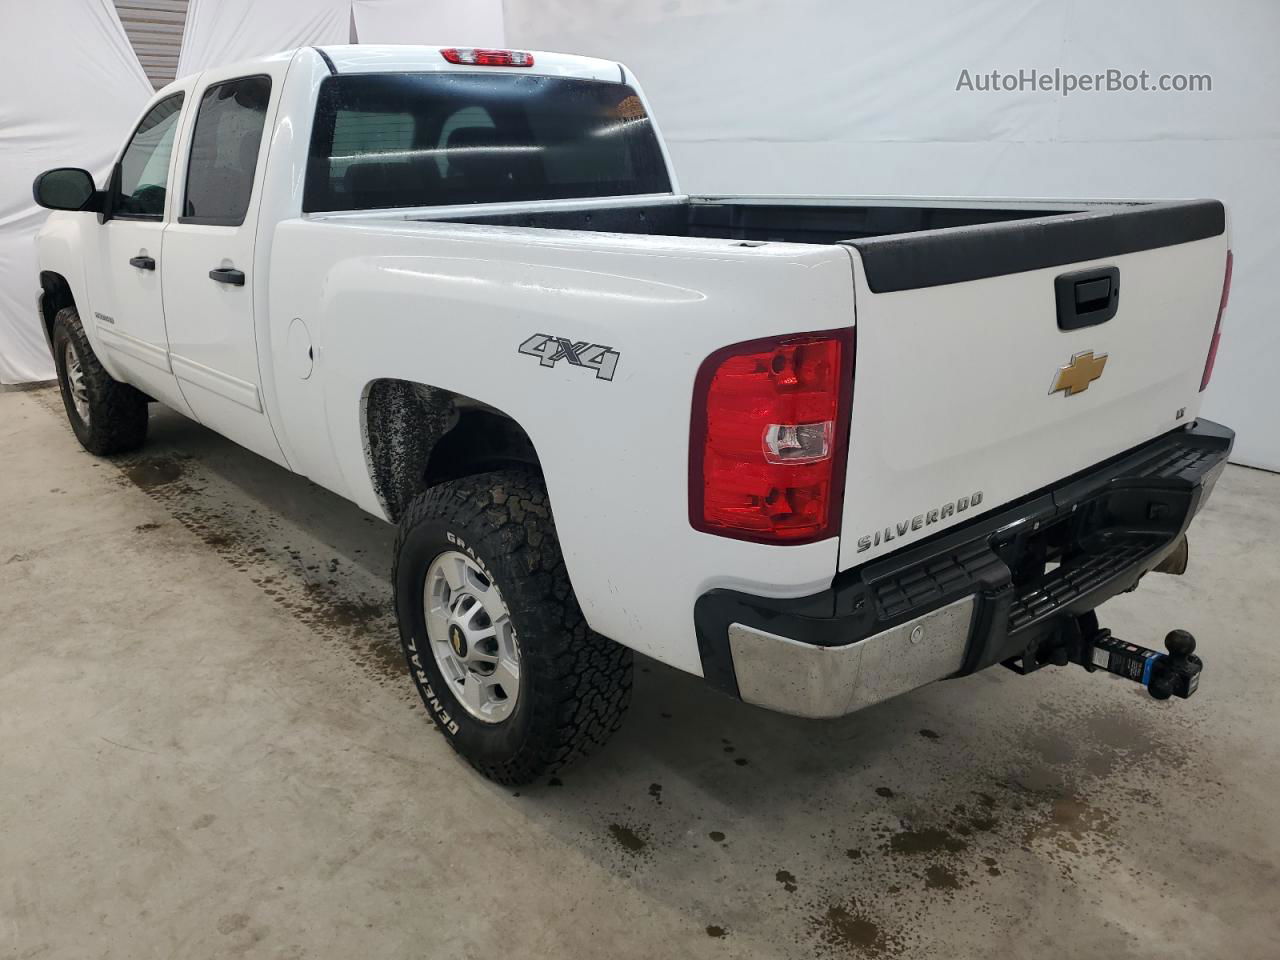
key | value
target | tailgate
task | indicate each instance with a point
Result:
(963, 334)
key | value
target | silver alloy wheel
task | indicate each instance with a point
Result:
(471, 636)
(75, 382)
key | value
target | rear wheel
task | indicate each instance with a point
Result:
(495, 640)
(107, 416)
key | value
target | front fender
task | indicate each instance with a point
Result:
(60, 246)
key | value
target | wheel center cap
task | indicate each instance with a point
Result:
(457, 640)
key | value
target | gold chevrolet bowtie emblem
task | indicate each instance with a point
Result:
(1076, 376)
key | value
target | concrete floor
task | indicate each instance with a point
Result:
(208, 748)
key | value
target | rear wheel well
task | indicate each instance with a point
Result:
(418, 436)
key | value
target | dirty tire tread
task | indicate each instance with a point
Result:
(581, 681)
(117, 411)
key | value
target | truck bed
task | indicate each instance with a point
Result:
(967, 314)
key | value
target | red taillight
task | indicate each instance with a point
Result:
(769, 436)
(1217, 326)
(475, 57)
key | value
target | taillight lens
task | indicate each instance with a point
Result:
(769, 436)
(1217, 326)
(476, 57)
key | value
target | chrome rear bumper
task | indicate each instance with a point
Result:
(811, 681)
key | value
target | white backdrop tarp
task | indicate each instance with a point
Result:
(72, 87)
(859, 97)
(475, 23)
(223, 31)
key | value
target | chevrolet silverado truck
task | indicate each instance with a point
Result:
(820, 451)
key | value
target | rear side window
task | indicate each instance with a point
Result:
(224, 151)
(427, 139)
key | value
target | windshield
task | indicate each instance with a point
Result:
(424, 139)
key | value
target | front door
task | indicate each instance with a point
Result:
(124, 270)
(208, 250)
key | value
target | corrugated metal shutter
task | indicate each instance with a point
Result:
(155, 30)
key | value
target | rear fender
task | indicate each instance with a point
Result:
(479, 312)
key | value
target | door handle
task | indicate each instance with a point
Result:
(143, 262)
(228, 275)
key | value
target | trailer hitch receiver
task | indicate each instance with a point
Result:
(1174, 673)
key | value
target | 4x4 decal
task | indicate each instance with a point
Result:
(550, 350)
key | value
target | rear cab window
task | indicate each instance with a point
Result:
(224, 151)
(429, 139)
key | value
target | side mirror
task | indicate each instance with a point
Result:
(67, 188)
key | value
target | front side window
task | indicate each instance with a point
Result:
(224, 151)
(144, 166)
(427, 139)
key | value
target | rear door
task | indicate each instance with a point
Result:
(974, 387)
(208, 251)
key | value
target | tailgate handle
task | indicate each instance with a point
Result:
(1087, 297)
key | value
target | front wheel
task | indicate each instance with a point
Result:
(495, 640)
(107, 416)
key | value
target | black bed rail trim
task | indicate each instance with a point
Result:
(936, 257)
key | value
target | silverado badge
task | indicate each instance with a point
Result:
(1076, 376)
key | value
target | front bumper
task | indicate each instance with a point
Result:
(997, 588)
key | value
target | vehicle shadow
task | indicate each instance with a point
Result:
(838, 836)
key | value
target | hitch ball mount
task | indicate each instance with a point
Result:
(1165, 675)
(1174, 673)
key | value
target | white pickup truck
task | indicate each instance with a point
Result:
(819, 451)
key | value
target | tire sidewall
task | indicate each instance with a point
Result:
(64, 330)
(421, 545)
